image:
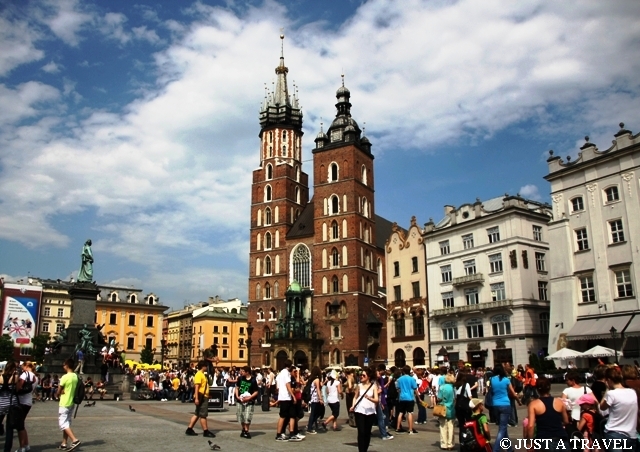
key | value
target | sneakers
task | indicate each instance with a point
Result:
(386, 438)
(401, 430)
(413, 432)
(208, 434)
(311, 432)
(245, 434)
(297, 437)
(282, 437)
(73, 445)
(190, 432)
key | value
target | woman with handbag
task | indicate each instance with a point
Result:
(364, 409)
(463, 397)
(447, 398)
(316, 399)
(9, 405)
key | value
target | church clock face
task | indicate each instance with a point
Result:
(336, 135)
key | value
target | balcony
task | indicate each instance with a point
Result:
(480, 307)
(475, 278)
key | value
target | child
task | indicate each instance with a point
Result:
(477, 407)
(589, 419)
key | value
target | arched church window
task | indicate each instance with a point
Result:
(364, 174)
(334, 172)
(298, 195)
(284, 134)
(276, 289)
(335, 258)
(269, 172)
(301, 265)
(270, 151)
(270, 137)
(258, 292)
(284, 151)
(267, 193)
(267, 241)
(297, 174)
(335, 287)
(335, 205)
(267, 216)
(335, 231)
(260, 314)
(267, 266)
(267, 291)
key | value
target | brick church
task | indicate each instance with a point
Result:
(316, 272)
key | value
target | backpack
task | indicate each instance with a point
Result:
(392, 391)
(27, 386)
(471, 440)
(78, 396)
(306, 391)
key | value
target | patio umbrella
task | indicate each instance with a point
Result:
(564, 353)
(598, 352)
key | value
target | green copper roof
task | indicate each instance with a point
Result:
(294, 287)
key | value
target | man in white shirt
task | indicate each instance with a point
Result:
(286, 401)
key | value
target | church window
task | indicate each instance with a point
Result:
(260, 314)
(335, 231)
(277, 264)
(277, 239)
(258, 241)
(365, 207)
(333, 172)
(344, 203)
(284, 134)
(267, 241)
(301, 261)
(334, 285)
(324, 285)
(267, 216)
(345, 283)
(335, 205)
(267, 291)
(324, 258)
(259, 217)
(335, 258)
(267, 193)
(369, 286)
(344, 255)
(284, 151)
(344, 228)
(270, 137)
(267, 266)
(297, 214)
(272, 314)
(258, 292)
(277, 212)
(270, 151)
(336, 332)
(364, 174)
(379, 272)
(269, 172)
(298, 195)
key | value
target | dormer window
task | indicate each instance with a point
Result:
(151, 300)
(114, 297)
(132, 298)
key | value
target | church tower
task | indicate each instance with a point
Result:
(279, 193)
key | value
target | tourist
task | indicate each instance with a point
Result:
(407, 393)
(88, 389)
(463, 397)
(286, 399)
(334, 394)
(316, 400)
(9, 404)
(349, 389)
(232, 378)
(622, 404)
(364, 408)
(201, 401)
(477, 414)
(572, 393)
(381, 408)
(101, 387)
(502, 390)
(590, 419)
(546, 418)
(65, 393)
(246, 394)
(297, 384)
(25, 398)
(447, 397)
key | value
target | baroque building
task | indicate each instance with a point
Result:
(487, 277)
(316, 264)
(596, 219)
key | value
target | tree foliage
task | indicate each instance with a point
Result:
(6, 348)
(146, 356)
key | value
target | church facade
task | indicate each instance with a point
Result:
(316, 275)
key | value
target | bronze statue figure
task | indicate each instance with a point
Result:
(86, 268)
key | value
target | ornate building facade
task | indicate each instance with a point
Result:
(315, 264)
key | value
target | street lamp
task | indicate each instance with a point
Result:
(614, 333)
(249, 333)
(163, 349)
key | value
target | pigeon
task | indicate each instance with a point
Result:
(89, 404)
(131, 408)
(213, 446)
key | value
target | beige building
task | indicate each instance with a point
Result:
(593, 239)
(55, 309)
(226, 328)
(487, 278)
(407, 305)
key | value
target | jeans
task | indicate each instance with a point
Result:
(626, 445)
(513, 418)
(364, 422)
(503, 413)
(313, 415)
(381, 421)
(422, 411)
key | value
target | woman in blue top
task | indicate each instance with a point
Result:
(447, 397)
(501, 390)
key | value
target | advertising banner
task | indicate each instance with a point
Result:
(21, 305)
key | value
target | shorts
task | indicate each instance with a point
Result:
(65, 416)
(244, 413)
(18, 424)
(335, 409)
(202, 410)
(287, 409)
(406, 406)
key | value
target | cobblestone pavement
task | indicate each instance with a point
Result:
(160, 426)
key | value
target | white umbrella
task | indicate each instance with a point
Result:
(564, 353)
(598, 352)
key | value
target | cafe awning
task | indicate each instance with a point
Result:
(599, 328)
(633, 328)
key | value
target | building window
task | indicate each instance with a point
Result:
(267, 291)
(335, 231)
(267, 193)
(59, 327)
(612, 194)
(272, 314)
(617, 234)
(130, 343)
(399, 324)
(225, 353)
(112, 318)
(418, 323)
(396, 269)
(301, 265)
(216, 329)
(335, 286)
(225, 329)
(335, 258)
(472, 296)
(132, 320)
(470, 267)
(414, 264)
(335, 205)
(467, 241)
(416, 289)
(577, 204)
(225, 340)
(544, 322)
(540, 265)
(47, 312)
(582, 239)
(498, 292)
(501, 328)
(445, 271)
(269, 172)
(587, 289)
(149, 342)
(444, 247)
(267, 216)
(267, 265)
(537, 233)
(335, 332)
(60, 312)
(334, 172)
(133, 299)
(495, 261)
(149, 321)
(493, 234)
(114, 297)
(45, 327)
(241, 354)
(397, 291)
(623, 283)
(260, 314)
(542, 291)
(447, 299)
(474, 331)
(450, 334)
(267, 241)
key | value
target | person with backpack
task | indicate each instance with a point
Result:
(24, 390)
(590, 419)
(66, 393)
(392, 396)
(315, 399)
(476, 435)
(9, 405)
(463, 397)
(334, 394)
(364, 407)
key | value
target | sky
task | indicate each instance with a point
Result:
(135, 123)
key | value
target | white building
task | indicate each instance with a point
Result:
(407, 341)
(487, 280)
(594, 244)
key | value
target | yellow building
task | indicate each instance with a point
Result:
(55, 309)
(226, 327)
(130, 318)
(179, 334)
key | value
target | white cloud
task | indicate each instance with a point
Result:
(23, 101)
(530, 191)
(67, 19)
(51, 67)
(17, 44)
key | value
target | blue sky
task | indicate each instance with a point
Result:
(135, 123)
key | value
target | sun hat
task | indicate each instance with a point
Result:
(587, 398)
(474, 403)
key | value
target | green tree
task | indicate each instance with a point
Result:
(146, 356)
(6, 348)
(39, 344)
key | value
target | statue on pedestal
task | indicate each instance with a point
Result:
(86, 268)
(85, 342)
